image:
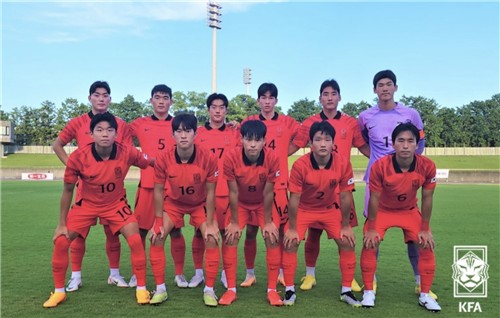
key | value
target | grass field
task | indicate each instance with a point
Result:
(358, 162)
(463, 215)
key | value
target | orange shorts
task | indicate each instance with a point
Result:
(329, 220)
(82, 217)
(280, 204)
(197, 214)
(144, 209)
(255, 213)
(221, 209)
(353, 219)
(409, 221)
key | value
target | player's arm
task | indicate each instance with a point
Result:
(345, 208)
(291, 237)
(66, 198)
(365, 150)
(292, 148)
(425, 236)
(58, 147)
(270, 231)
(212, 228)
(233, 231)
(371, 238)
(158, 230)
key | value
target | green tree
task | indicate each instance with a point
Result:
(241, 106)
(25, 121)
(303, 109)
(128, 109)
(3, 115)
(428, 110)
(354, 109)
(69, 109)
(481, 123)
(45, 132)
(452, 134)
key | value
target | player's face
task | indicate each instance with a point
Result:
(267, 103)
(104, 135)
(405, 145)
(321, 145)
(161, 103)
(184, 137)
(100, 100)
(329, 98)
(385, 90)
(252, 147)
(217, 111)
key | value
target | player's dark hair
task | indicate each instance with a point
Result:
(330, 83)
(253, 129)
(162, 88)
(184, 121)
(324, 127)
(267, 87)
(215, 96)
(384, 74)
(99, 84)
(97, 118)
(405, 127)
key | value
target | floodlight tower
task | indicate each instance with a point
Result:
(247, 78)
(214, 21)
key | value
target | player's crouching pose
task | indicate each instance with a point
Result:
(189, 174)
(101, 167)
(394, 182)
(316, 179)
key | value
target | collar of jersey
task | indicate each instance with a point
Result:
(221, 128)
(398, 169)
(98, 158)
(153, 117)
(323, 116)
(275, 116)
(191, 159)
(247, 162)
(315, 165)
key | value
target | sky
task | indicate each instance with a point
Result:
(447, 51)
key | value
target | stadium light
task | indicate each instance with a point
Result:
(247, 78)
(214, 21)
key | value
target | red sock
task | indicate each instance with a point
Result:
(198, 249)
(60, 260)
(113, 247)
(426, 267)
(77, 250)
(368, 266)
(138, 256)
(178, 251)
(212, 256)
(230, 262)
(250, 250)
(158, 263)
(347, 260)
(289, 267)
(311, 247)
(273, 260)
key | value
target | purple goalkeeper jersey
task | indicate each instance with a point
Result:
(377, 125)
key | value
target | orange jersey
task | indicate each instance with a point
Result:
(154, 135)
(281, 129)
(185, 183)
(102, 180)
(398, 189)
(78, 129)
(251, 178)
(347, 133)
(319, 188)
(220, 142)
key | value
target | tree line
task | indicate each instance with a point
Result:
(476, 124)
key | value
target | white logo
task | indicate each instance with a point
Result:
(277, 173)
(350, 181)
(470, 271)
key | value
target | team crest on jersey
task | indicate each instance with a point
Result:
(197, 178)
(333, 183)
(343, 133)
(262, 177)
(415, 184)
(118, 172)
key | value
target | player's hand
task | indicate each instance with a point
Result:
(271, 232)
(425, 240)
(347, 233)
(157, 231)
(233, 124)
(290, 239)
(60, 230)
(213, 231)
(371, 239)
(232, 233)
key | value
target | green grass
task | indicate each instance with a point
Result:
(463, 215)
(358, 162)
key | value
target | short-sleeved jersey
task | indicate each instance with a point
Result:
(78, 128)
(281, 129)
(320, 188)
(377, 125)
(347, 133)
(220, 142)
(154, 135)
(251, 178)
(398, 189)
(185, 183)
(102, 180)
